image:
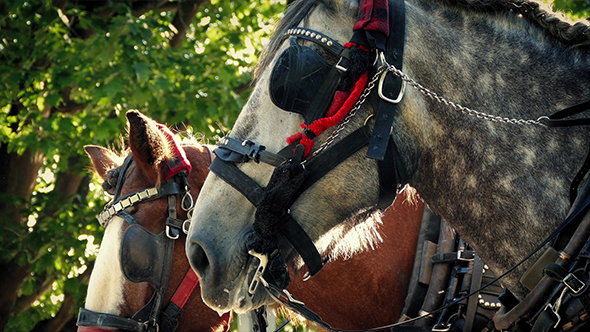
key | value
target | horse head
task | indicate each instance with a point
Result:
(131, 283)
(464, 133)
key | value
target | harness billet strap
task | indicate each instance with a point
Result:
(558, 119)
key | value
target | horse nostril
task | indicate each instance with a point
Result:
(198, 258)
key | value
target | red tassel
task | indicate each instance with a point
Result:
(320, 125)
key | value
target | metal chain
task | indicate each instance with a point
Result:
(425, 91)
(353, 110)
(463, 109)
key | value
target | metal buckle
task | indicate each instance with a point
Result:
(186, 225)
(382, 79)
(441, 327)
(460, 256)
(169, 234)
(259, 271)
(573, 283)
(554, 310)
(339, 66)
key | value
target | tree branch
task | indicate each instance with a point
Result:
(187, 11)
(24, 302)
(67, 310)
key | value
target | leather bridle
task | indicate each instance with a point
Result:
(273, 204)
(154, 316)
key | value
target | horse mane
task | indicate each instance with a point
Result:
(358, 233)
(558, 26)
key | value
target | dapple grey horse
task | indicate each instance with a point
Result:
(502, 183)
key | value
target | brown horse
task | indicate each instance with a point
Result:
(364, 291)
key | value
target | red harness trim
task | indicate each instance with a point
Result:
(186, 288)
(373, 15)
(179, 162)
(341, 105)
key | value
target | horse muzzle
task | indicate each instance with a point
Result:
(226, 281)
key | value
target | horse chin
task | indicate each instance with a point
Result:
(236, 297)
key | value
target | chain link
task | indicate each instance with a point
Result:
(362, 98)
(463, 109)
(425, 91)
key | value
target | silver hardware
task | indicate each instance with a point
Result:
(462, 109)
(186, 225)
(188, 196)
(169, 235)
(572, 286)
(134, 199)
(555, 307)
(461, 258)
(554, 310)
(382, 80)
(291, 298)
(259, 271)
(339, 66)
(441, 328)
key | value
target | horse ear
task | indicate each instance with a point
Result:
(102, 159)
(148, 145)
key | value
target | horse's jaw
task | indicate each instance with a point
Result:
(216, 249)
(235, 296)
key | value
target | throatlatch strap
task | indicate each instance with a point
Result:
(232, 175)
(557, 119)
(323, 163)
(302, 243)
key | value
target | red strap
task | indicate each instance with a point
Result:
(342, 104)
(225, 319)
(183, 293)
(373, 15)
(186, 288)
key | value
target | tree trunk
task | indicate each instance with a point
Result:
(24, 302)
(19, 173)
(186, 13)
(11, 279)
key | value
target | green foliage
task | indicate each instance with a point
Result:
(67, 76)
(577, 9)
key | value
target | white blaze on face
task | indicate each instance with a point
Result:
(105, 288)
